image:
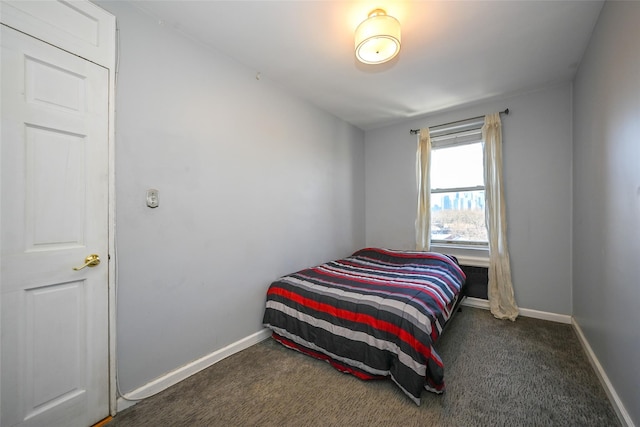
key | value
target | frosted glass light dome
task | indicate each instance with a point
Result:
(377, 38)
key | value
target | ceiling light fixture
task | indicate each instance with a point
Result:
(377, 38)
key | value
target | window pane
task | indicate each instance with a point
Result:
(458, 216)
(457, 166)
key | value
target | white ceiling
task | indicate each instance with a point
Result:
(453, 52)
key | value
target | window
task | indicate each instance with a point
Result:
(457, 190)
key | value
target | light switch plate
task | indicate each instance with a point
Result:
(152, 198)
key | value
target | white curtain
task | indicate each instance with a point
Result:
(501, 299)
(423, 216)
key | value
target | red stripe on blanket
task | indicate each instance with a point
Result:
(355, 317)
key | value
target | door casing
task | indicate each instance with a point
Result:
(98, 45)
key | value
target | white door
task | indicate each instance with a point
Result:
(53, 214)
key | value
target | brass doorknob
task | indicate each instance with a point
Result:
(90, 261)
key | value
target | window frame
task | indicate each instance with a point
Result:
(450, 140)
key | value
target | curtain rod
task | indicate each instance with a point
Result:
(417, 131)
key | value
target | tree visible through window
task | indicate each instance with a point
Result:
(457, 193)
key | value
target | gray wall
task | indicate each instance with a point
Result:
(537, 170)
(606, 225)
(253, 184)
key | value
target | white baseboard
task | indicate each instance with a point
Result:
(545, 315)
(476, 302)
(621, 411)
(526, 312)
(174, 377)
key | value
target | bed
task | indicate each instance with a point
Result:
(375, 314)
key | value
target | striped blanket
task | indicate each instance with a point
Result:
(375, 314)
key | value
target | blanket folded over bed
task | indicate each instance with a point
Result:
(374, 314)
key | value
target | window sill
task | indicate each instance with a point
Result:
(467, 255)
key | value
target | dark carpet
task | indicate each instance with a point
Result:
(498, 373)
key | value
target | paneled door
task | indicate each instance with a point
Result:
(54, 236)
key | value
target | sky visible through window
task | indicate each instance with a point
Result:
(455, 167)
